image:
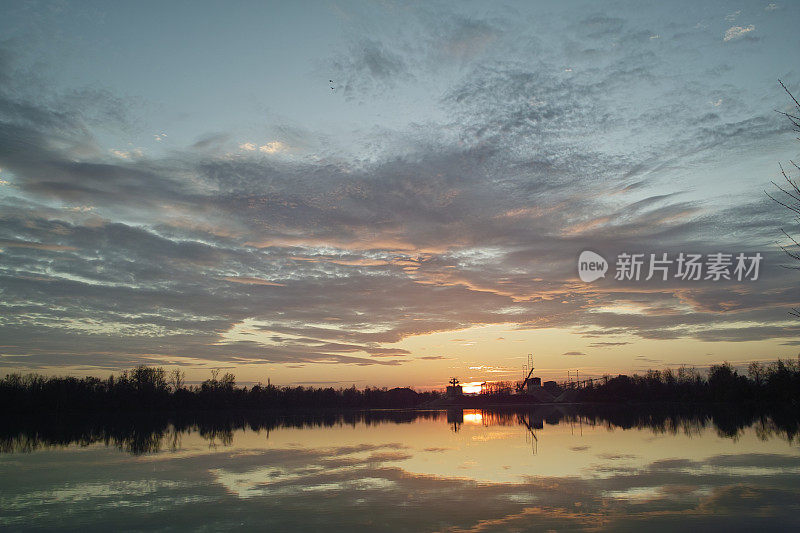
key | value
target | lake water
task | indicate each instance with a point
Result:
(538, 470)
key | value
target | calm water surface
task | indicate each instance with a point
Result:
(540, 470)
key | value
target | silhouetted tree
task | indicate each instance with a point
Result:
(789, 196)
(176, 379)
(755, 371)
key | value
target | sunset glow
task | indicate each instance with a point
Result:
(471, 388)
(391, 208)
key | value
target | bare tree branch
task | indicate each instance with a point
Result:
(791, 200)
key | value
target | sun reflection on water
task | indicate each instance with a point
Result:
(621, 474)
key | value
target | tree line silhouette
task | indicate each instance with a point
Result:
(777, 382)
(153, 388)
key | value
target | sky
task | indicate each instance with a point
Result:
(390, 193)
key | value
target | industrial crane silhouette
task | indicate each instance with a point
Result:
(524, 383)
(530, 364)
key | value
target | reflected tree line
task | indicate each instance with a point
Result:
(728, 420)
(143, 433)
(158, 432)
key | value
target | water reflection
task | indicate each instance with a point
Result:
(551, 467)
(155, 433)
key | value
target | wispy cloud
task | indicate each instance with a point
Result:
(737, 32)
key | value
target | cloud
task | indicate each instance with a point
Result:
(737, 32)
(252, 281)
(438, 226)
(127, 154)
(574, 353)
(616, 456)
(272, 147)
(208, 141)
(643, 359)
(732, 16)
(607, 344)
(368, 65)
(373, 59)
